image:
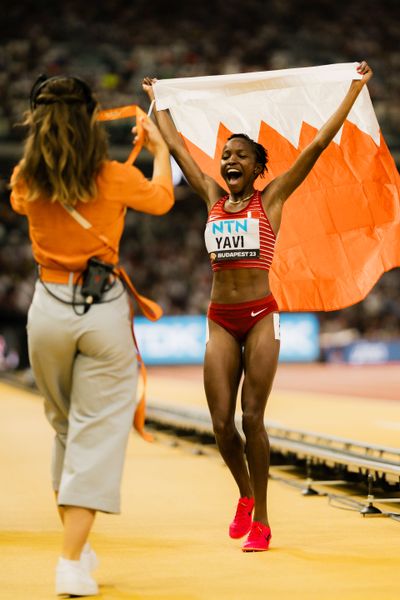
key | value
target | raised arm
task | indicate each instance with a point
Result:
(202, 184)
(156, 196)
(156, 145)
(277, 192)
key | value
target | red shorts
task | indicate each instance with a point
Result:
(239, 318)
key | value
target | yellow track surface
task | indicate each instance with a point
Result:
(338, 410)
(171, 542)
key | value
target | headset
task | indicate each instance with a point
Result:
(43, 80)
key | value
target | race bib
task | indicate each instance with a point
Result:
(233, 239)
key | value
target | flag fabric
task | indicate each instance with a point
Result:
(341, 228)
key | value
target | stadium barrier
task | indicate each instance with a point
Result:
(364, 352)
(182, 339)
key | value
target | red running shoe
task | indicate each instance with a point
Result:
(241, 524)
(258, 539)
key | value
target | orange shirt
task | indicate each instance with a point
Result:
(60, 243)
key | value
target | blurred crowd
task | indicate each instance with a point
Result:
(113, 45)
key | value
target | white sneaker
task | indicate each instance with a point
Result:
(72, 579)
(89, 560)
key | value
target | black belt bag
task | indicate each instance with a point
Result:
(96, 280)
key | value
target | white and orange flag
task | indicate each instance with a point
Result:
(341, 228)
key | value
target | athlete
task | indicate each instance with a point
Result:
(243, 316)
(81, 347)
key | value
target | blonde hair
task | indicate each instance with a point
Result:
(66, 145)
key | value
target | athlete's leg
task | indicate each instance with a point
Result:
(261, 353)
(222, 373)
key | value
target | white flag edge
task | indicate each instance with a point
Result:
(199, 104)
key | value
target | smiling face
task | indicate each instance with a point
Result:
(238, 165)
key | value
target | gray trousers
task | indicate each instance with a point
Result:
(86, 368)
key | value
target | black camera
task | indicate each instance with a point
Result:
(96, 280)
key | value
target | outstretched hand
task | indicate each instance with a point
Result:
(365, 70)
(147, 86)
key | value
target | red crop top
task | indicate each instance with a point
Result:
(240, 240)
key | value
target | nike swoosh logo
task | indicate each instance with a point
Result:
(254, 314)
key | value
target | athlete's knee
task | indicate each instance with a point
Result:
(223, 428)
(252, 422)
